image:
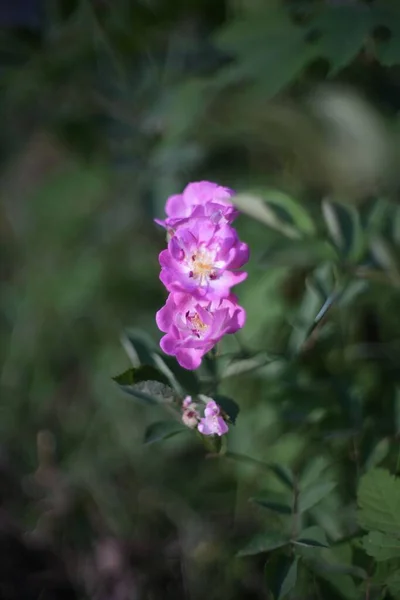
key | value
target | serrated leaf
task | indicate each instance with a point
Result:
(393, 584)
(229, 406)
(381, 546)
(162, 430)
(276, 502)
(289, 583)
(343, 29)
(379, 502)
(146, 384)
(312, 537)
(313, 494)
(264, 542)
(387, 14)
(264, 43)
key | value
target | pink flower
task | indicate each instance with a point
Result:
(200, 195)
(212, 423)
(194, 326)
(201, 257)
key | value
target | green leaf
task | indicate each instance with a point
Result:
(229, 406)
(146, 384)
(264, 542)
(275, 571)
(188, 380)
(255, 207)
(385, 254)
(162, 430)
(312, 537)
(289, 583)
(290, 211)
(393, 584)
(379, 502)
(387, 14)
(276, 502)
(267, 47)
(313, 494)
(313, 471)
(141, 349)
(325, 567)
(344, 227)
(283, 473)
(305, 252)
(343, 29)
(381, 546)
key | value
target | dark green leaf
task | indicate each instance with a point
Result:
(381, 546)
(323, 567)
(313, 494)
(264, 542)
(266, 42)
(379, 502)
(188, 380)
(276, 569)
(283, 473)
(276, 502)
(140, 346)
(344, 228)
(146, 384)
(289, 583)
(393, 584)
(161, 430)
(229, 406)
(342, 30)
(143, 373)
(312, 537)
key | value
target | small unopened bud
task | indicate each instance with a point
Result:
(190, 418)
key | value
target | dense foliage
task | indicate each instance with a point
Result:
(109, 108)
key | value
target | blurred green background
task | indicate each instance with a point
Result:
(106, 109)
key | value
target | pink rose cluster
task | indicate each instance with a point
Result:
(199, 268)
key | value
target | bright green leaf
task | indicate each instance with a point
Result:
(379, 502)
(381, 546)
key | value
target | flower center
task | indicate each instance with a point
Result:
(202, 266)
(196, 324)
